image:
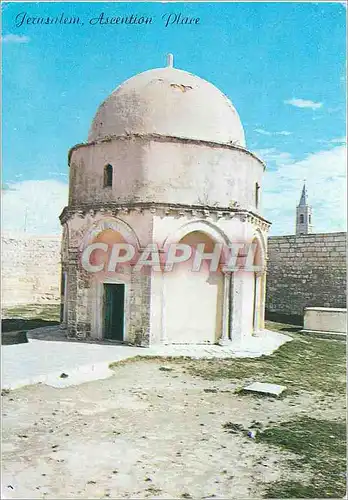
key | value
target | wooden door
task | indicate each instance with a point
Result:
(114, 311)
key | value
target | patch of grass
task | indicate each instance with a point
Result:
(256, 425)
(32, 311)
(155, 359)
(295, 489)
(233, 428)
(29, 317)
(122, 362)
(282, 327)
(320, 446)
(311, 364)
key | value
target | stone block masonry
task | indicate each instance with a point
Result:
(305, 271)
(30, 270)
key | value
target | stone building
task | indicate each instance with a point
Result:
(165, 162)
(305, 270)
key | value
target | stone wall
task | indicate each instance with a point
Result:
(303, 271)
(30, 270)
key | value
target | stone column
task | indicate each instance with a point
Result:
(164, 338)
(157, 308)
(79, 323)
(262, 300)
(257, 303)
(83, 320)
(139, 320)
(226, 301)
(260, 294)
(64, 301)
(236, 307)
(72, 291)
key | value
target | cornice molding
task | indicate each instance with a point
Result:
(164, 209)
(164, 138)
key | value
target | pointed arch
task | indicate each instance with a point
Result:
(198, 294)
(261, 253)
(113, 223)
(203, 226)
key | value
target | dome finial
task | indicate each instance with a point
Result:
(170, 60)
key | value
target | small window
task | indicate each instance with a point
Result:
(108, 176)
(257, 195)
(301, 219)
(310, 219)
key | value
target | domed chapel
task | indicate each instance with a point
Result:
(165, 162)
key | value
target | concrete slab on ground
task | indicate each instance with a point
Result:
(265, 388)
(43, 361)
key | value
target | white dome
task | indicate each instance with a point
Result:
(169, 102)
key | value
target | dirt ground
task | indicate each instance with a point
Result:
(146, 432)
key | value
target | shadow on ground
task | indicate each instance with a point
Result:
(294, 329)
(17, 320)
(15, 324)
(281, 327)
(29, 317)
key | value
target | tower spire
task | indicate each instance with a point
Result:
(303, 214)
(303, 200)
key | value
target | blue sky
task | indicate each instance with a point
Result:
(281, 64)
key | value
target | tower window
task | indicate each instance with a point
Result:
(257, 194)
(301, 219)
(108, 176)
(310, 219)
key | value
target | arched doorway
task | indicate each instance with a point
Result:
(193, 299)
(105, 300)
(110, 286)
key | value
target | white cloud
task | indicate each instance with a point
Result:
(325, 174)
(265, 132)
(330, 142)
(34, 206)
(283, 132)
(58, 174)
(339, 140)
(10, 38)
(262, 132)
(270, 155)
(303, 103)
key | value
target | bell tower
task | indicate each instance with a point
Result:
(303, 214)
